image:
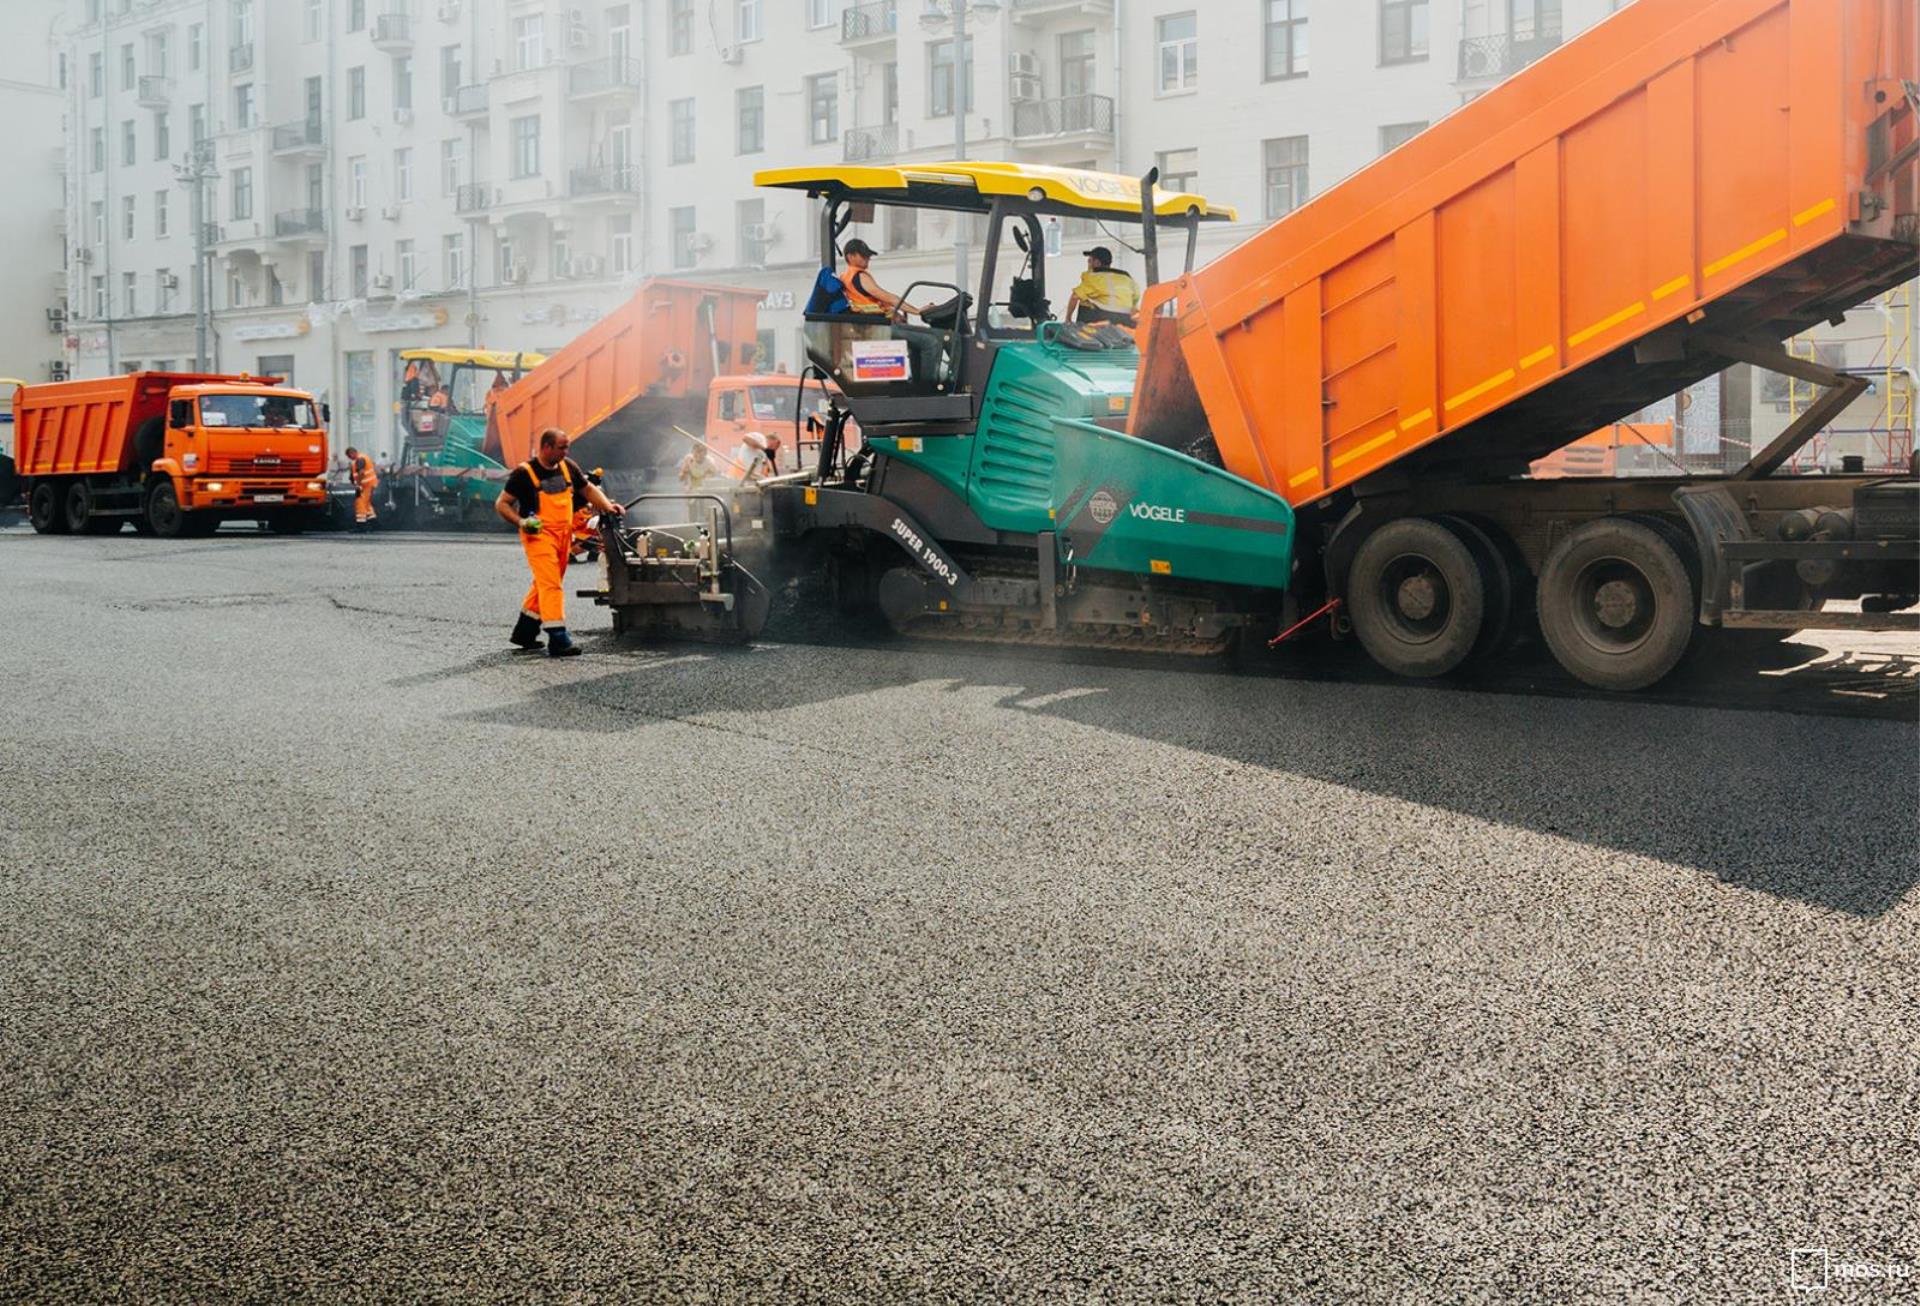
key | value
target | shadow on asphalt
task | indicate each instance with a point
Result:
(1812, 810)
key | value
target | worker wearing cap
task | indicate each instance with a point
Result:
(864, 294)
(365, 480)
(1105, 293)
(539, 501)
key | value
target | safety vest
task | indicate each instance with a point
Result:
(363, 471)
(1110, 289)
(858, 300)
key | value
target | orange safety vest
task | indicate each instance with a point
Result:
(547, 553)
(364, 473)
(858, 300)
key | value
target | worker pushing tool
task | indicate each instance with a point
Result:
(366, 479)
(540, 500)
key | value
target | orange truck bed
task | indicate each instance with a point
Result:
(1474, 299)
(667, 343)
(86, 427)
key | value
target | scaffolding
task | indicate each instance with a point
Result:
(1887, 440)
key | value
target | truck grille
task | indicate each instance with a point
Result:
(291, 465)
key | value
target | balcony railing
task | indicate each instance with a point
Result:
(469, 100)
(300, 222)
(472, 198)
(392, 31)
(603, 76)
(1502, 55)
(620, 180)
(873, 21)
(858, 144)
(1067, 115)
(307, 134)
(240, 58)
(154, 92)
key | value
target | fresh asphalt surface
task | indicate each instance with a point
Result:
(348, 956)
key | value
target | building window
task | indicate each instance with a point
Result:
(197, 122)
(509, 270)
(405, 264)
(1179, 169)
(1533, 20)
(356, 15)
(403, 83)
(242, 22)
(160, 214)
(1178, 36)
(750, 109)
(750, 220)
(242, 198)
(680, 131)
(162, 144)
(243, 105)
(529, 42)
(96, 75)
(1286, 39)
(889, 93)
(157, 54)
(450, 71)
(748, 28)
(525, 136)
(820, 13)
(316, 276)
(453, 165)
(680, 232)
(1403, 31)
(129, 147)
(130, 292)
(162, 297)
(196, 47)
(357, 182)
(1285, 163)
(680, 28)
(403, 174)
(1396, 134)
(823, 108)
(620, 33)
(940, 78)
(129, 70)
(620, 244)
(358, 271)
(453, 253)
(316, 19)
(356, 92)
(97, 149)
(129, 213)
(101, 309)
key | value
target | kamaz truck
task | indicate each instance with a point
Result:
(1337, 417)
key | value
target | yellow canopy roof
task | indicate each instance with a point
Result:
(499, 360)
(973, 186)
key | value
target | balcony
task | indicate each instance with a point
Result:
(603, 77)
(393, 34)
(614, 183)
(1495, 58)
(308, 136)
(154, 92)
(300, 225)
(1037, 13)
(469, 101)
(874, 23)
(474, 197)
(1068, 120)
(859, 144)
(240, 58)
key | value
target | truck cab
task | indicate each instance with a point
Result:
(237, 446)
(743, 410)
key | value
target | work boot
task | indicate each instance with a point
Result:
(526, 634)
(560, 644)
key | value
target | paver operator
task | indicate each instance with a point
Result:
(540, 500)
(366, 479)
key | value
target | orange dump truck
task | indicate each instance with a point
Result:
(172, 453)
(622, 385)
(1678, 190)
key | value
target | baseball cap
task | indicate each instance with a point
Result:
(1100, 252)
(857, 246)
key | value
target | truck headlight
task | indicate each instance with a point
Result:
(214, 487)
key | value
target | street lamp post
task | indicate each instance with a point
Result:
(936, 13)
(196, 174)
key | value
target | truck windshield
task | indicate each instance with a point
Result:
(265, 410)
(771, 401)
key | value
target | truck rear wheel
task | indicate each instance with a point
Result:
(1616, 604)
(79, 509)
(1418, 598)
(164, 514)
(46, 509)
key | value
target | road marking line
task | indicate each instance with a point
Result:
(1819, 210)
(1537, 357)
(1361, 451)
(1673, 287)
(1416, 419)
(1633, 310)
(1468, 396)
(1768, 241)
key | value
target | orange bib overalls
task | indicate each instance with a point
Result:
(547, 552)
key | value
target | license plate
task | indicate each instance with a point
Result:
(269, 498)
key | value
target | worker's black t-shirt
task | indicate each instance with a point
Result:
(526, 493)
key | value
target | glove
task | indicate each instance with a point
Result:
(531, 525)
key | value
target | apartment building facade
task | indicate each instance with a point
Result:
(385, 174)
(32, 222)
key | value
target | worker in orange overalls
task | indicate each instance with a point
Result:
(366, 479)
(539, 501)
(586, 539)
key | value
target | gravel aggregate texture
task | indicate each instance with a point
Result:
(345, 955)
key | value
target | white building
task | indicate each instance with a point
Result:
(501, 172)
(34, 164)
